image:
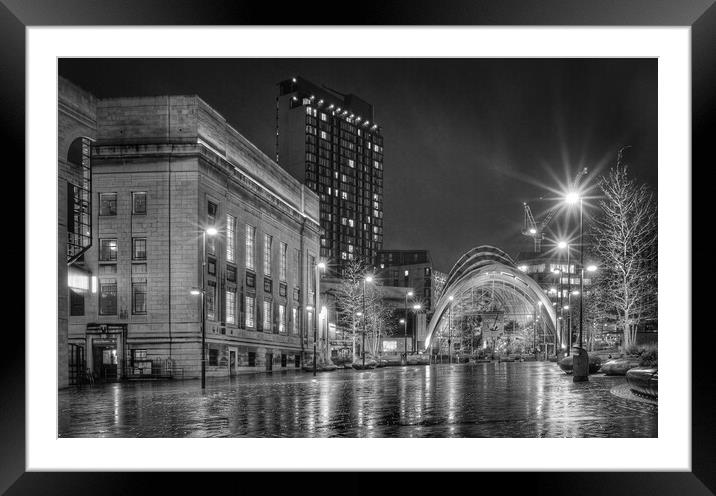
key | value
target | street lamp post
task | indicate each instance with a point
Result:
(320, 266)
(309, 308)
(405, 326)
(581, 273)
(560, 320)
(450, 330)
(417, 307)
(580, 368)
(405, 338)
(211, 231)
(362, 348)
(565, 245)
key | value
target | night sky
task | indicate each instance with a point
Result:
(466, 140)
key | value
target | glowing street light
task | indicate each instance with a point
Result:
(404, 321)
(211, 231)
(581, 363)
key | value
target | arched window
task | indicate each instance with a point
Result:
(79, 198)
(77, 151)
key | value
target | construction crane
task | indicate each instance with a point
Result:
(535, 230)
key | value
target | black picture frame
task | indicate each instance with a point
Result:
(700, 15)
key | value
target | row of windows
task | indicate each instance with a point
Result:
(540, 268)
(108, 298)
(108, 305)
(250, 246)
(343, 120)
(108, 249)
(249, 312)
(108, 204)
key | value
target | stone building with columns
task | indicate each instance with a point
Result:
(164, 170)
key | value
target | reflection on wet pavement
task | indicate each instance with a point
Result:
(529, 399)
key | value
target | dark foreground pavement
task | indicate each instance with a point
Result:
(528, 399)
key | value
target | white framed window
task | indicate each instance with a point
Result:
(250, 247)
(283, 266)
(296, 265)
(230, 247)
(268, 240)
(250, 312)
(230, 307)
(294, 321)
(282, 319)
(268, 325)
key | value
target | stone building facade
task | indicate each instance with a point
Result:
(164, 170)
(77, 128)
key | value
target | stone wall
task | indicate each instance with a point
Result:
(76, 118)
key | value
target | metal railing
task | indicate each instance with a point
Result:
(152, 369)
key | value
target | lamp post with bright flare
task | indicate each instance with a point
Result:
(211, 231)
(580, 365)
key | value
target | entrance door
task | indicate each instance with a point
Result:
(105, 362)
(269, 362)
(232, 362)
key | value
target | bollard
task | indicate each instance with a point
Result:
(580, 364)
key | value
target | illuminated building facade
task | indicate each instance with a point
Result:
(330, 142)
(164, 170)
(410, 269)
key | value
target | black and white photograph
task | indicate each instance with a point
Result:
(422, 238)
(358, 247)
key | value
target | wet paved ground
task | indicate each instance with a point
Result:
(528, 399)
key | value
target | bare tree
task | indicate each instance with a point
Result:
(349, 302)
(625, 240)
(597, 307)
(356, 307)
(378, 314)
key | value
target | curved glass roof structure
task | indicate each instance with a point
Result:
(485, 282)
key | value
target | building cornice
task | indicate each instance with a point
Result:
(202, 149)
